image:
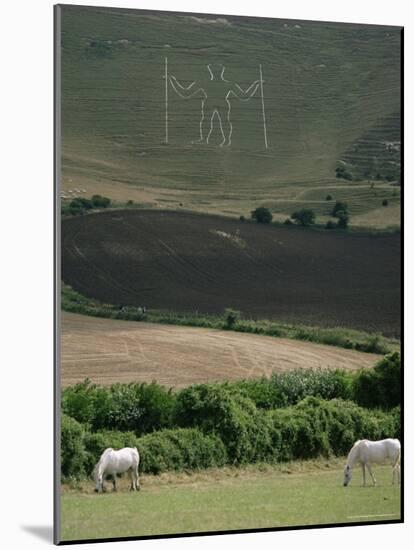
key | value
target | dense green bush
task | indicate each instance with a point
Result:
(140, 408)
(288, 388)
(73, 453)
(348, 422)
(262, 215)
(231, 316)
(81, 202)
(339, 207)
(300, 383)
(67, 210)
(319, 427)
(304, 217)
(180, 449)
(235, 418)
(343, 219)
(98, 201)
(380, 386)
(297, 434)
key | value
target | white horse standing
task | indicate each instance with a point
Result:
(367, 452)
(113, 462)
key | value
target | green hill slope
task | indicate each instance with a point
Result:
(326, 86)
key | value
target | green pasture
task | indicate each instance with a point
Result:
(238, 499)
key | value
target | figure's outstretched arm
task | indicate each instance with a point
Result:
(244, 95)
(184, 91)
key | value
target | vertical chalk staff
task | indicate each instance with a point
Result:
(263, 107)
(166, 99)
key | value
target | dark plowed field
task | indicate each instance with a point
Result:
(188, 262)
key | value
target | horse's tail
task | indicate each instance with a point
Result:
(399, 455)
(138, 457)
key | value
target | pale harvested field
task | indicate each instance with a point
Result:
(108, 351)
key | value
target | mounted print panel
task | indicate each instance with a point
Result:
(228, 231)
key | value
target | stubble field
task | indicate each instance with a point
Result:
(109, 351)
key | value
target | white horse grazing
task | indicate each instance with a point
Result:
(366, 452)
(117, 462)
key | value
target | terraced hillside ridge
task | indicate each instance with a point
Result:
(198, 263)
(109, 351)
(331, 94)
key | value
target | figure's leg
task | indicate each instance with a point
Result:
(203, 124)
(209, 118)
(371, 474)
(226, 124)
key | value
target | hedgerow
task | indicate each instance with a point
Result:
(179, 449)
(380, 386)
(231, 430)
(140, 408)
(144, 408)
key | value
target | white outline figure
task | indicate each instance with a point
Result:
(215, 106)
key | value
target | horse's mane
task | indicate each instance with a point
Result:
(106, 451)
(353, 450)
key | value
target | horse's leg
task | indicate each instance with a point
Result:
(396, 473)
(136, 474)
(114, 481)
(131, 476)
(396, 470)
(363, 475)
(371, 474)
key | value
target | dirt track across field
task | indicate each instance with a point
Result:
(109, 351)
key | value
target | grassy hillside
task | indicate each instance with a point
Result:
(328, 88)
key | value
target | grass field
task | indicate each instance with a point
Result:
(229, 499)
(187, 262)
(108, 351)
(331, 94)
